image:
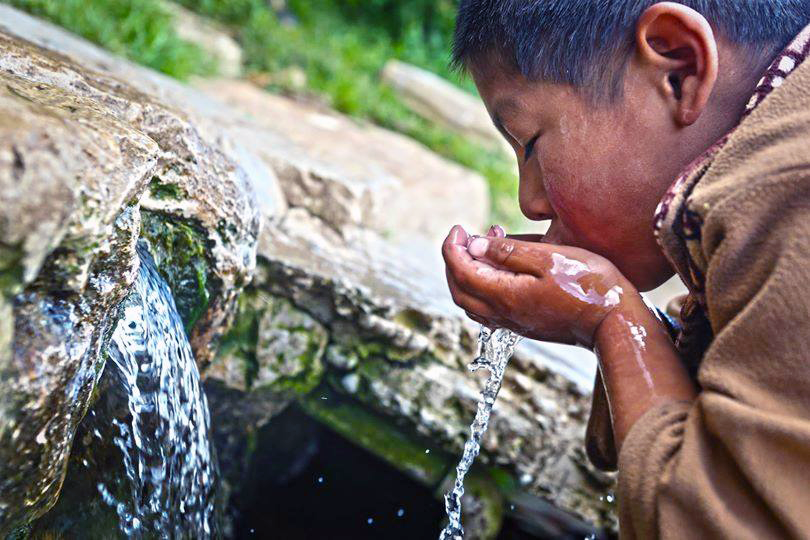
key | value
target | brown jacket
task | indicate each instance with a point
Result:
(736, 462)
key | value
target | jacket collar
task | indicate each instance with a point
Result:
(674, 226)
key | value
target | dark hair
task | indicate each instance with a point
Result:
(586, 43)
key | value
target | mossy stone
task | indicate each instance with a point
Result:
(377, 435)
(289, 349)
(179, 248)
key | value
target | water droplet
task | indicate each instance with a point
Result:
(511, 507)
(252, 531)
(400, 512)
(370, 521)
(320, 479)
(427, 451)
(324, 398)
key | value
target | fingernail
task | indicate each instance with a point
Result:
(478, 247)
(499, 232)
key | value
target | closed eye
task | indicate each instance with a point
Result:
(528, 149)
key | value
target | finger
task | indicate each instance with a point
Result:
(456, 240)
(479, 320)
(513, 255)
(457, 236)
(467, 273)
(466, 300)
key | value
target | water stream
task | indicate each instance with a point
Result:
(495, 348)
(168, 485)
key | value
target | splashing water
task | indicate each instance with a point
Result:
(495, 348)
(168, 488)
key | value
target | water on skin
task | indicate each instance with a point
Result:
(495, 348)
(168, 485)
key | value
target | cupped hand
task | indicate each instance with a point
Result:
(539, 290)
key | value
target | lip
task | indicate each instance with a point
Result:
(553, 235)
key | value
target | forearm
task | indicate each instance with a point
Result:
(639, 364)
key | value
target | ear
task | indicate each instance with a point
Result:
(677, 46)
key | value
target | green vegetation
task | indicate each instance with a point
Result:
(138, 29)
(339, 45)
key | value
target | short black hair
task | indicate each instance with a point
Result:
(585, 43)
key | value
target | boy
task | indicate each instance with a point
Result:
(606, 104)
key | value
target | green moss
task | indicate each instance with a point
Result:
(369, 350)
(166, 191)
(290, 347)
(11, 270)
(413, 319)
(240, 340)
(310, 376)
(180, 252)
(377, 435)
(504, 480)
(374, 369)
(277, 343)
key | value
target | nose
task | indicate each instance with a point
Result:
(533, 199)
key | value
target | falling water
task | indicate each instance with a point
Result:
(495, 348)
(168, 485)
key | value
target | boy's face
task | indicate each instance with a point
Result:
(597, 172)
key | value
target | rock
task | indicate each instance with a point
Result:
(85, 161)
(289, 350)
(352, 174)
(216, 123)
(293, 78)
(193, 180)
(440, 101)
(67, 170)
(208, 36)
(398, 346)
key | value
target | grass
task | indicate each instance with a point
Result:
(138, 29)
(340, 45)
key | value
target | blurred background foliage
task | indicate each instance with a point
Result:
(340, 47)
(138, 29)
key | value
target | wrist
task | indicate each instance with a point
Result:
(615, 324)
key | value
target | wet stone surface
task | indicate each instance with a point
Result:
(78, 153)
(142, 464)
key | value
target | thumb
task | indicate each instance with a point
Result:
(515, 255)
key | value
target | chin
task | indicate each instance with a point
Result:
(649, 276)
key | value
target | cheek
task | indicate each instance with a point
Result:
(591, 185)
(577, 185)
